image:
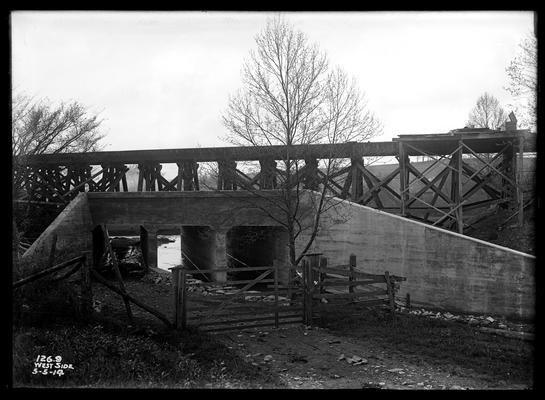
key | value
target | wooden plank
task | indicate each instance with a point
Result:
(47, 271)
(348, 295)
(229, 283)
(340, 283)
(356, 274)
(229, 328)
(271, 311)
(244, 320)
(242, 269)
(364, 303)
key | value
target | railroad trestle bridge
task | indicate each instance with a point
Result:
(467, 172)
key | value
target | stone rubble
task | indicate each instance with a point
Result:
(473, 320)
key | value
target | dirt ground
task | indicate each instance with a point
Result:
(357, 348)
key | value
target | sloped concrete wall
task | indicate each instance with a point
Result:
(443, 269)
(73, 229)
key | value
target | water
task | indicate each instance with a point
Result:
(169, 254)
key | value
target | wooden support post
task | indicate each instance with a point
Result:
(267, 174)
(509, 165)
(117, 272)
(276, 270)
(352, 266)
(520, 177)
(141, 172)
(357, 179)
(179, 178)
(403, 179)
(408, 301)
(310, 179)
(459, 189)
(86, 289)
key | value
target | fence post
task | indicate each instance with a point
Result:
(275, 265)
(179, 283)
(323, 264)
(352, 267)
(86, 295)
(307, 279)
(311, 265)
(390, 291)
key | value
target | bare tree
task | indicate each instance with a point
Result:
(487, 113)
(291, 97)
(522, 73)
(38, 127)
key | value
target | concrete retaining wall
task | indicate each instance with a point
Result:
(73, 229)
(443, 269)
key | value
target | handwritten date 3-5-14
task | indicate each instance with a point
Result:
(49, 365)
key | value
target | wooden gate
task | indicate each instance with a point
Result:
(332, 287)
(232, 304)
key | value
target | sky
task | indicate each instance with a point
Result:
(162, 79)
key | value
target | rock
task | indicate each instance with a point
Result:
(395, 370)
(420, 384)
(334, 341)
(334, 376)
(325, 301)
(490, 319)
(448, 315)
(382, 383)
(473, 321)
(502, 326)
(341, 357)
(268, 358)
(456, 387)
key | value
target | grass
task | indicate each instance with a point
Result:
(106, 354)
(457, 348)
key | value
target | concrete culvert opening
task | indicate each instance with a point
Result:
(254, 246)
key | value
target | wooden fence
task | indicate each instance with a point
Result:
(231, 304)
(330, 287)
(228, 305)
(79, 264)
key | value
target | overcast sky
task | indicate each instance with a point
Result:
(162, 79)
